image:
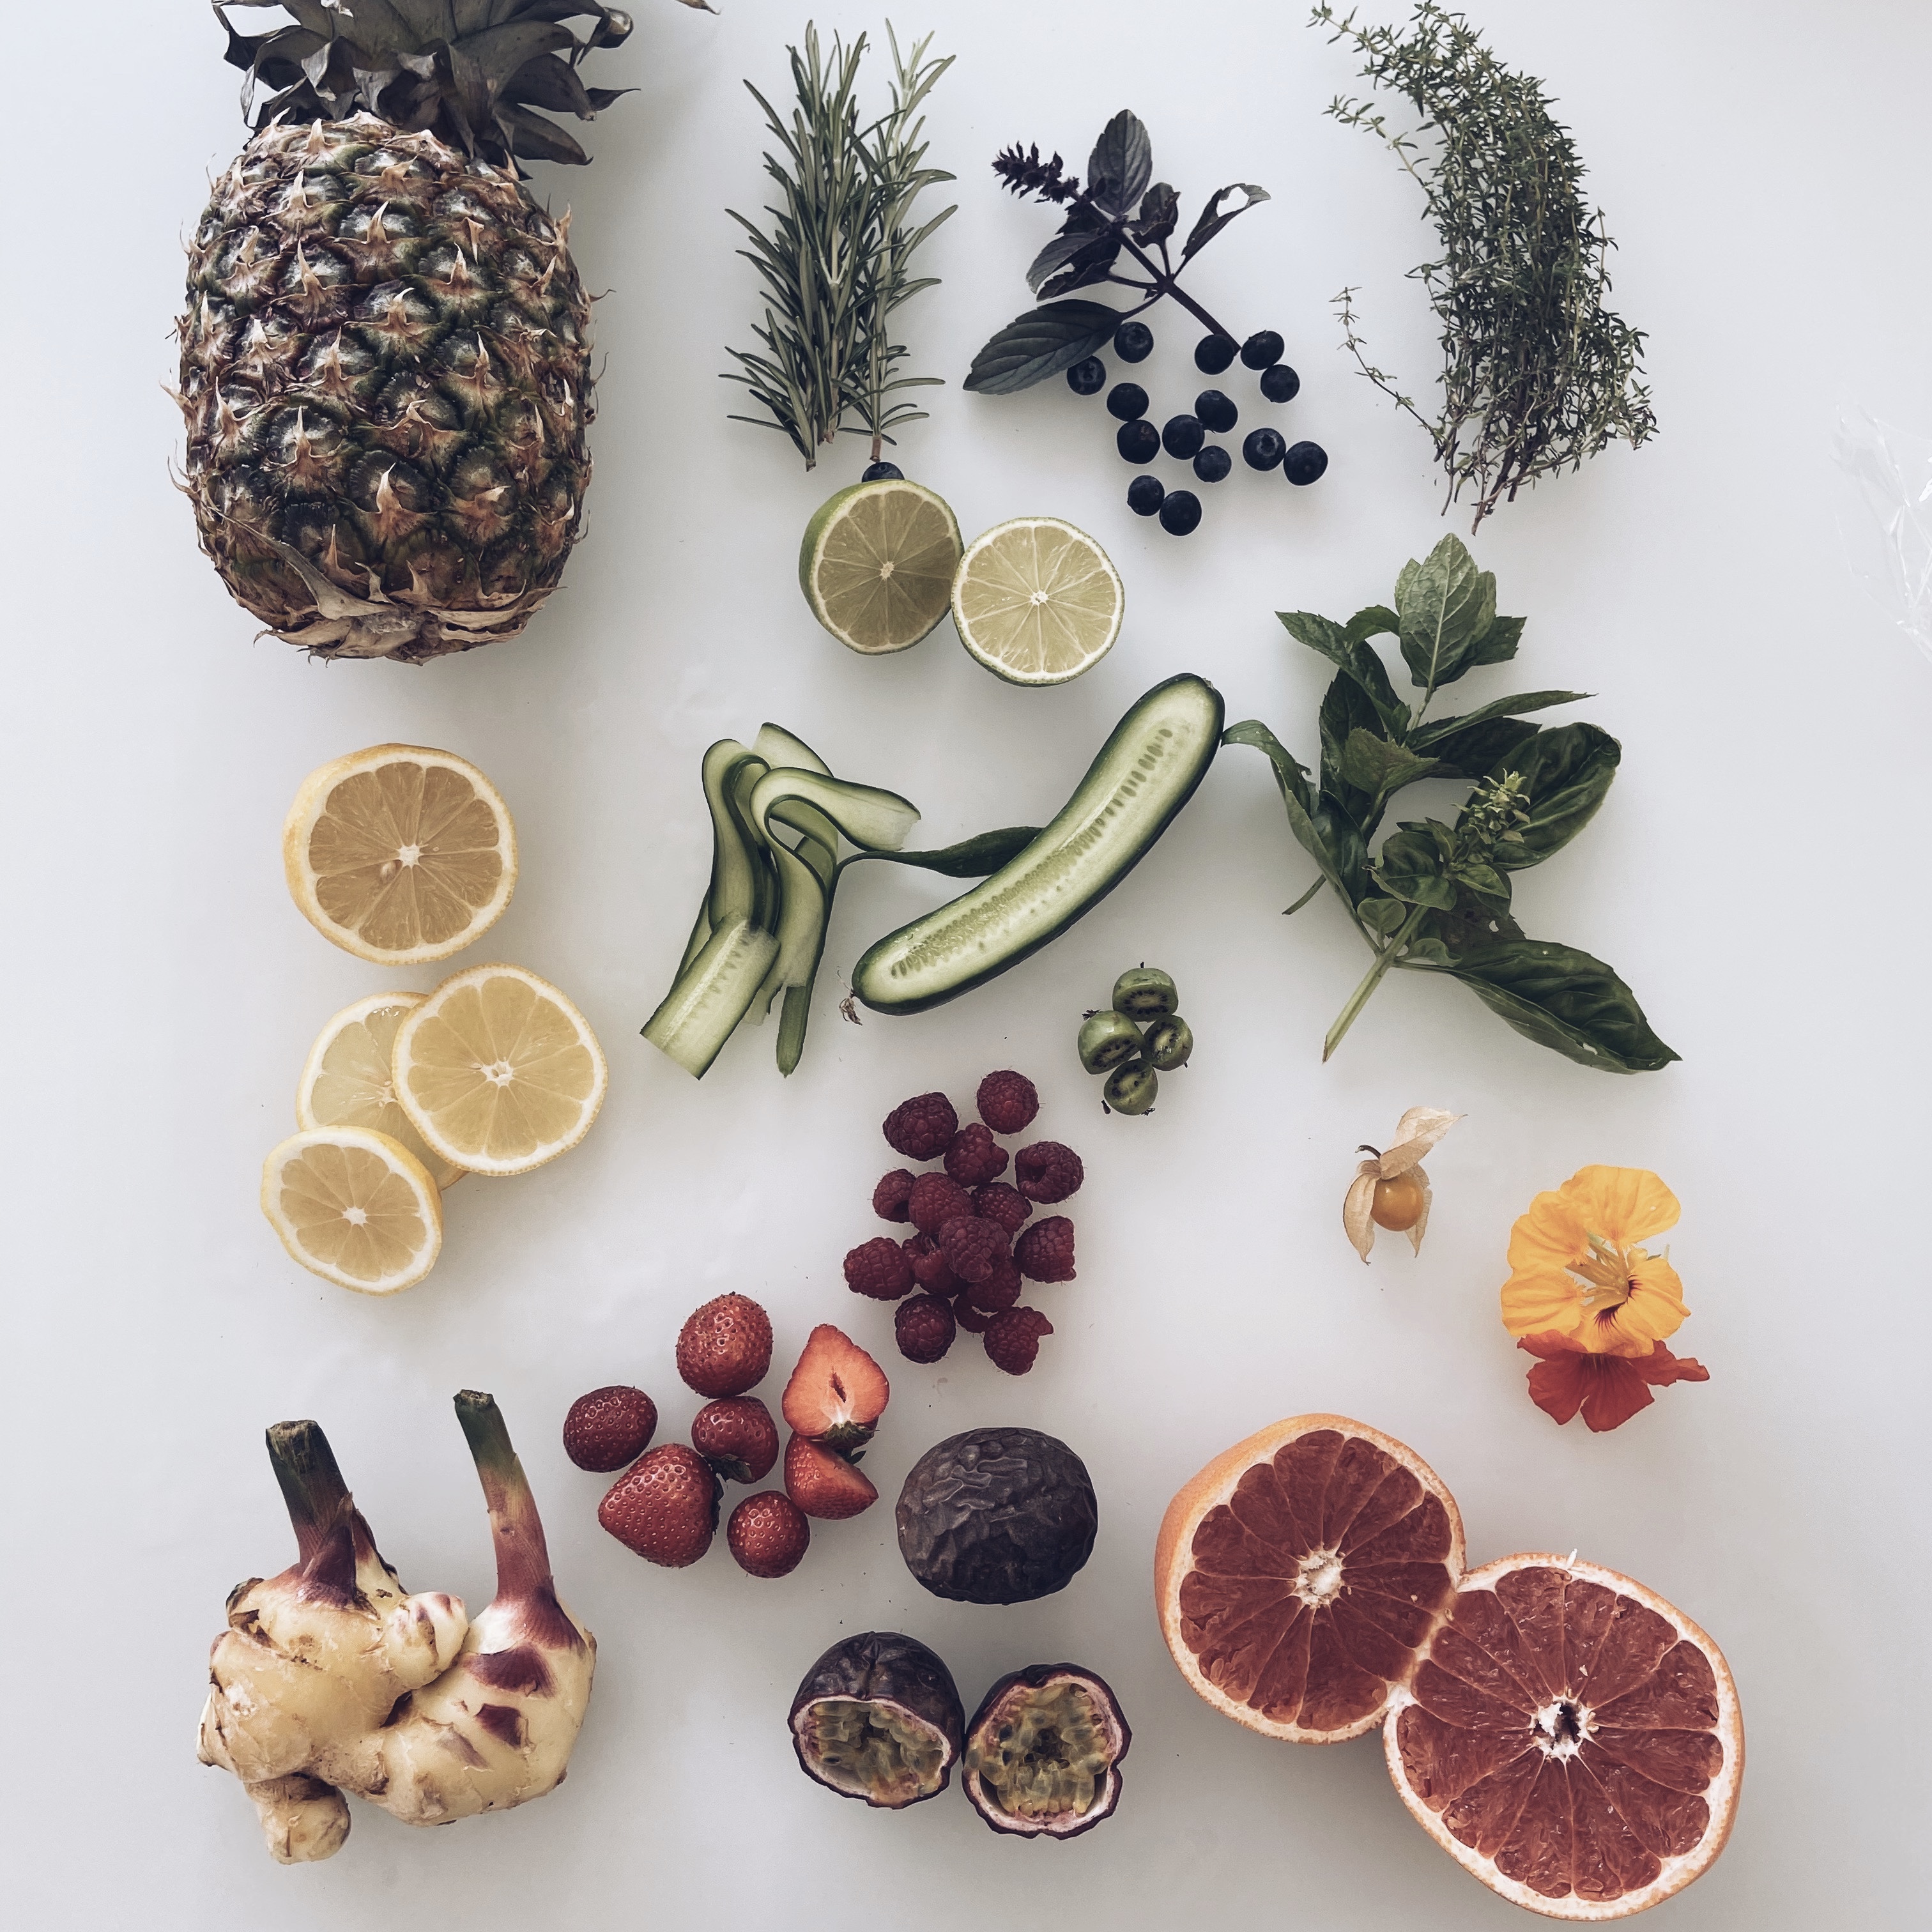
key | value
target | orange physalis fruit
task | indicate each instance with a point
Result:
(1390, 1190)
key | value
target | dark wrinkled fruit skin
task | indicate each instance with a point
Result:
(1304, 463)
(1038, 1677)
(1133, 342)
(883, 1667)
(1213, 353)
(1280, 384)
(1087, 378)
(1145, 495)
(1137, 442)
(997, 1516)
(1126, 400)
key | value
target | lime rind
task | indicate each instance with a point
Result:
(878, 563)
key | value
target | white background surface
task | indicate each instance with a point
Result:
(1758, 876)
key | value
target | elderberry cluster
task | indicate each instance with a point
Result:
(1185, 437)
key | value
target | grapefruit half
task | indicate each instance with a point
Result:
(1570, 1738)
(1299, 1575)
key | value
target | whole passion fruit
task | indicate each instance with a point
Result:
(997, 1516)
(1043, 1752)
(878, 1717)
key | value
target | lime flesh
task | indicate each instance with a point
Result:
(877, 564)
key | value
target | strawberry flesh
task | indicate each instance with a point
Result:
(837, 1393)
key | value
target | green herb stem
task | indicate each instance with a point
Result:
(1360, 998)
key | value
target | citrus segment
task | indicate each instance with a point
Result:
(1037, 601)
(1570, 1739)
(354, 1206)
(877, 564)
(498, 1071)
(1299, 1574)
(346, 1081)
(400, 853)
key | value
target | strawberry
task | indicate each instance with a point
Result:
(768, 1534)
(664, 1506)
(737, 1437)
(837, 1393)
(725, 1347)
(609, 1427)
(823, 1484)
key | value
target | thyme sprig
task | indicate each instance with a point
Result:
(837, 260)
(1537, 373)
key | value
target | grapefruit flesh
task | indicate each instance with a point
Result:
(1299, 1575)
(1570, 1739)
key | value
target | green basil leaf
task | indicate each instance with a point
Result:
(1291, 775)
(1348, 851)
(1121, 164)
(1041, 343)
(1346, 708)
(1384, 915)
(1562, 998)
(1328, 639)
(1410, 868)
(1426, 951)
(1473, 751)
(1378, 767)
(1497, 645)
(1377, 621)
(1431, 735)
(1567, 771)
(1444, 604)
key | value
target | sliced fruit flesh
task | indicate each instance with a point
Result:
(877, 1751)
(406, 855)
(351, 1086)
(1311, 1590)
(349, 1210)
(1566, 1732)
(1041, 599)
(1042, 1754)
(883, 574)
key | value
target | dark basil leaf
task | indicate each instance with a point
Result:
(1377, 621)
(1346, 707)
(1089, 268)
(1291, 775)
(1160, 209)
(1444, 604)
(1567, 772)
(1211, 220)
(1470, 753)
(1121, 165)
(1430, 735)
(1374, 765)
(1290, 772)
(1328, 638)
(1343, 838)
(1057, 252)
(1041, 343)
(1563, 999)
(1497, 645)
(1410, 868)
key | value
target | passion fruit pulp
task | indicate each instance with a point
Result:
(878, 1717)
(1043, 1752)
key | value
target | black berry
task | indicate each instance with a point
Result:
(1126, 400)
(1144, 494)
(1280, 384)
(1304, 462)
(1217, 411)
(1138, 442)
(1260, 349)
(1133, 342)
(1213, 464)
(1180, 514)
(1182, 436)
(1264, 448)
(1088, 378)
(883, 472)
(1213, 353)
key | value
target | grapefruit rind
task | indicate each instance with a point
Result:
(1215, 1485)
(1721, 1794)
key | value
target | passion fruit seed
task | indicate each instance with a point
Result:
(1106, 1038)
(1132, 1089)
(1398, 1204)
(873, 1748)
(1045, 1759)
(1145, 993)
(1169, 1043)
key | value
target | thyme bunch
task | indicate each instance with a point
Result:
(1537, 373)
(836, 261)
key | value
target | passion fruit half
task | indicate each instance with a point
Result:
(878, 1717)
(1043, 1752)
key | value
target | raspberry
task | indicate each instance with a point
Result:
(1008, 1102)
(878, 1268)
(889, 1197)
(924, 1328)
(1045, 1252)
(1047, 1171)
(969, 1317)
(922, 1128)
(928, 1265)
(1013, 1339)
(935, 1200)
(1001, 1289)
(973, 1248)
(975, 1156)
(996, 1201)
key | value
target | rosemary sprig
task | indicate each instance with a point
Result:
(836, 262)
(1537, 373)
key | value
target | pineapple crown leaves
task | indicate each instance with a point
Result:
(471, 72)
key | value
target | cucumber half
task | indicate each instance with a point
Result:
(1145, 772)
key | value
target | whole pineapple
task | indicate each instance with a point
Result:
(384, 367)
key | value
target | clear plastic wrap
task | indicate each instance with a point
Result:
(1884, 519)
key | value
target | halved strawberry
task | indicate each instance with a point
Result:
(824, 1483)
(837, 1393)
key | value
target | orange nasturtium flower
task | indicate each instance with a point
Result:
(1592, 1303)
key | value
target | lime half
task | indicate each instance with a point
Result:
(877, 564)
(1036, 601)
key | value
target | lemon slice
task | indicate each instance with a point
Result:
(354, 1206)
(1036, 601)
(877, 564)
(346, 1080)
(400, 853)
(498, 1071)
